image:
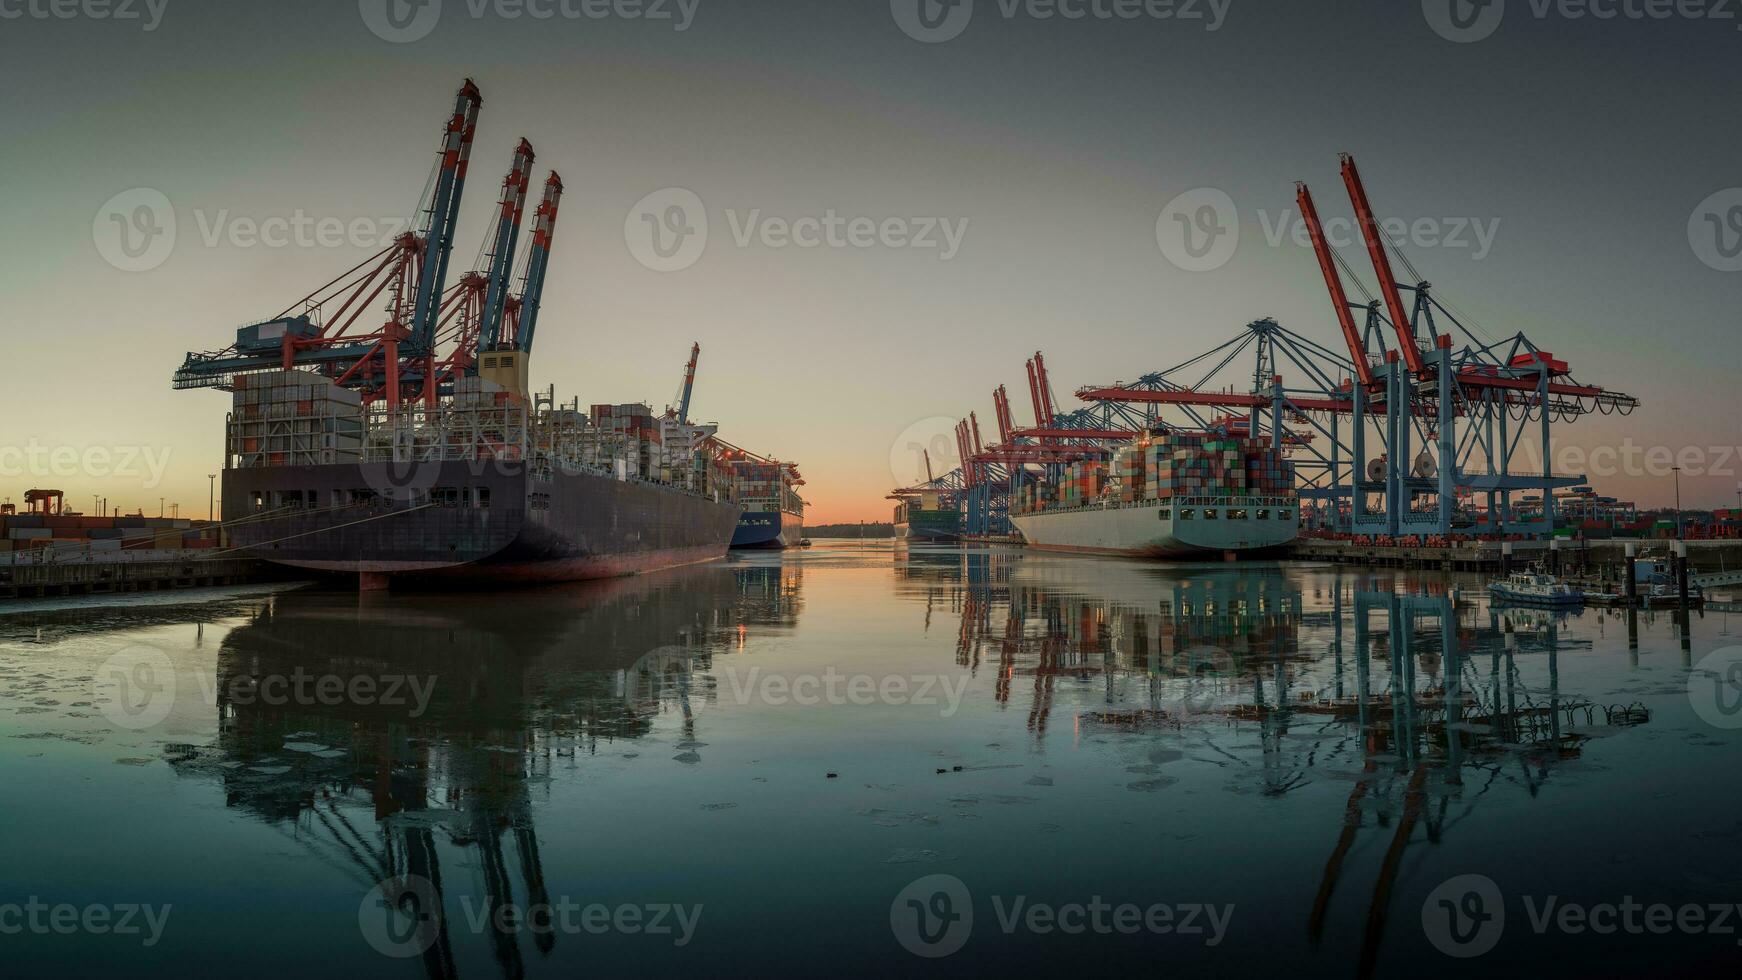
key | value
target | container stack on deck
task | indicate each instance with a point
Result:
(658, 449)
(1195, 464)
(763, 485)
(1163, 467)
(629, 439)
(294, 418)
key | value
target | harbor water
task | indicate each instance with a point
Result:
(864, 758)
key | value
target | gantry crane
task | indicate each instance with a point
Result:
(328, 331)
(1394, 398)
(682, 412)
(992, 475)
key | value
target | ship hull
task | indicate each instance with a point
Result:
(1161, 531)
(471, 523)
(768, 529)
(910, 532)
(928, 525)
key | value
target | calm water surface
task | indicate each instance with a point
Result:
(821, 762)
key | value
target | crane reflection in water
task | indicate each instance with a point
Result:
(1400, 676)
(1370, 716)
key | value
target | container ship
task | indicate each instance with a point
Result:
(383, 425)
(482, 489)
(773, 510)
(1171, 494)
(929, 515)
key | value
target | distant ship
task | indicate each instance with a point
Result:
(928, 516)
(769, 529)
(773, 511)
(1186, 527)
(1169, 494)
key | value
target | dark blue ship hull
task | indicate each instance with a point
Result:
(768, 529)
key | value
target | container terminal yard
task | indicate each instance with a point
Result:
(1403, 442)
(1403, 446)
(508, 489)
(416, 449)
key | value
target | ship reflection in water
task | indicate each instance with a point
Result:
(1318, 750)
(511, 695)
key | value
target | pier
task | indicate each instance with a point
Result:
(1711, 563)
(96, 574)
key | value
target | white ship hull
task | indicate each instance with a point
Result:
(1166, 529)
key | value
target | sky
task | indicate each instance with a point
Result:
(901, 205)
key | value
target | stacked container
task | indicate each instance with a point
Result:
(1168, 466)
(294, 418)
(29, 532)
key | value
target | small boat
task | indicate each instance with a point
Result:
(1648, 597)
(1537, 589)
(1655, 588)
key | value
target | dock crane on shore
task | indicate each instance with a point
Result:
(1053, 442)
(1408, 397)
(991, 474)
(682, 412)
(398, 362)
(473, 312)
(520, 318)
(511, 208)
(481, 315)
(322, 331)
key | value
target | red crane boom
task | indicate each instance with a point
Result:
(1334, 283)
(1381, 264)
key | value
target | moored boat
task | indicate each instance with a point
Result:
(1537, 589)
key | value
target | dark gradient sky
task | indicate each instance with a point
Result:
(1591, 142)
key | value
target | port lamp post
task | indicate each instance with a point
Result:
(1678, 501)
